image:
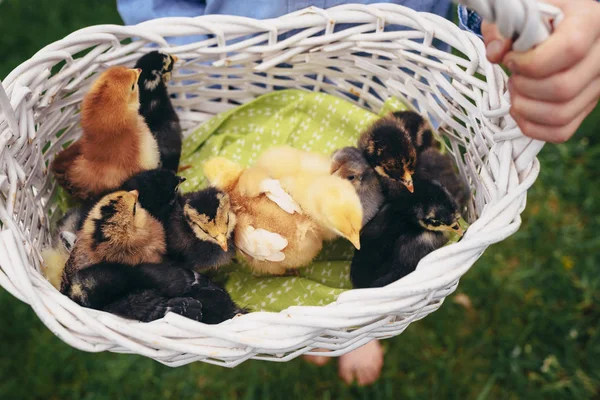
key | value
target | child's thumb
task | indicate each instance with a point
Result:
(496, 46)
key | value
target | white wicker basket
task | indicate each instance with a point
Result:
(239, 62)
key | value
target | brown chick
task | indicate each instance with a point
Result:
(116, 142)
(117, 230)
(349, 163)
(332, 202)
(269, 238)
(392, 144)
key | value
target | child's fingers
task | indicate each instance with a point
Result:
(496, 46)
(567, 46)
(552, 134)
(560, 87)
(555, 114)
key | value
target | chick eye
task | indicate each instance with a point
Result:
(198, 225)
(351, 177)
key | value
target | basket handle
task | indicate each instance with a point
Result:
(528, 23)
(521, 20)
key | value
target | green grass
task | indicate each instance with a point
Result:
(529, 330)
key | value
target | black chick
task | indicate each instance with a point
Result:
(392, 144)
(158, 190)
(420, 130)
(406, 229)
(200, 230)
(433, 165)
(349, 163)
(148, 291)
(149, 305)
(156, 107)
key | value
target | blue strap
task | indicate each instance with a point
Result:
(469, 20)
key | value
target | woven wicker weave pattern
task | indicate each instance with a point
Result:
(242, 59)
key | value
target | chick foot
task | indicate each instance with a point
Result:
(184, 306)
(218, 305)
(363, 364)
(150, 305)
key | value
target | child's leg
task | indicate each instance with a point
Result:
(363, 364)
(318, 360)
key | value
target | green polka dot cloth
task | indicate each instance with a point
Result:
(308, 121)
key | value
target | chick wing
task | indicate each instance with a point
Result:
(273, 190)
(261, 244)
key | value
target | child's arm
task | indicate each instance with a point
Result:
(557, 84)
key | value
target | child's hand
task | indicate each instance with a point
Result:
(557, 84)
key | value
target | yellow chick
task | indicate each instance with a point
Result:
(285, 161)
(270, 233)
(331, 201)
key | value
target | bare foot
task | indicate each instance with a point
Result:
(363, 364)
(318, 360)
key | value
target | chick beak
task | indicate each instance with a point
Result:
(456, 228)
(135, 194)
(222, 240)
(138, 72)
(181, 180)
(354, 238)
(174, 58)
(408, 182)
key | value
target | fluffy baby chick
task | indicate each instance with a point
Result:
(117, 230)
(148, 291)
(284, 161)
(433, 165)
(350, 164)
(158, 191)
(419, 128)
(270, 234)
(149, 305)
(329, 200)
(116, 142)
(405, 230)
(66, 229)
(156, 107)
(200, 229)
(392, 144)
